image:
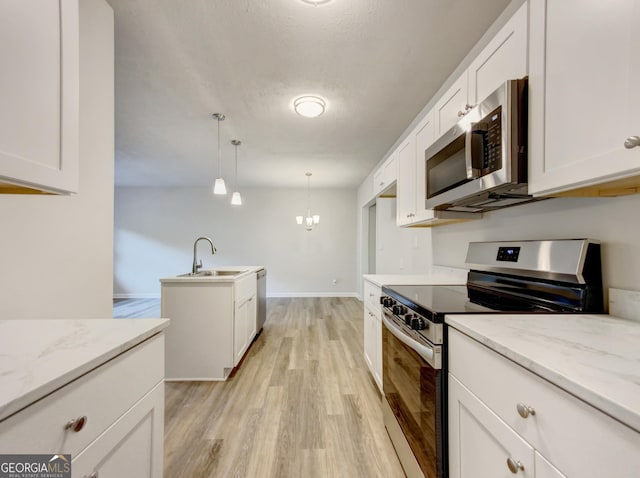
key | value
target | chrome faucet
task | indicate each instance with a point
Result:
(196, 265)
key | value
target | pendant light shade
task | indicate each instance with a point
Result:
(236, 199)
(219, 187)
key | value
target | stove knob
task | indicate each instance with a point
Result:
(407, 319)
(399, 310)
(388, 301)
(418, 323)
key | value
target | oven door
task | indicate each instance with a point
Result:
(414, 393)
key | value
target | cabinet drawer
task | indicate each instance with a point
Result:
(102, 395)
(372, 295)
(577, 438)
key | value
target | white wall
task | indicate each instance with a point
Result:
(400, 250)
(613, 221)
(155, 229)
(56, 251)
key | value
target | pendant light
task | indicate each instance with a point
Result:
(236, 199)
(308, 221)
(219, 187)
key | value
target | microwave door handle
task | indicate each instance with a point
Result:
(472, 173)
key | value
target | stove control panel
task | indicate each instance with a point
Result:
(412, 322)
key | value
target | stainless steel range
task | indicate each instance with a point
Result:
(557, 276)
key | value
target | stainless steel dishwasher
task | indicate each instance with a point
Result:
(262, 299)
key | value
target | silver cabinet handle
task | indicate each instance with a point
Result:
(514, 466)
(371, 294)
(76, 424)
(524, 410)
(468, 107)
(381, 183)
(632, 142)
(461, 114)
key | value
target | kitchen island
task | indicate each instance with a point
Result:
(214, 316)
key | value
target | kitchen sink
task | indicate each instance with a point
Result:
(213, 273)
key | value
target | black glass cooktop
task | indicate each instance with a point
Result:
(434, 301)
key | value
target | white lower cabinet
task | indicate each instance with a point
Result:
(117, 411)
(482, 445)
(131, 447)
(544, 469)
(499, 411)
(373, 331)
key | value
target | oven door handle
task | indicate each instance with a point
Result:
(427, 353)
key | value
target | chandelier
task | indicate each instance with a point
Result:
(308, 221)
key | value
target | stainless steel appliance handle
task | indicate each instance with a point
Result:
(468, 160)
(425, 352)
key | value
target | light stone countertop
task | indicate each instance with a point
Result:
(40, 356)
(594, 357)
(212, 278)
(436, 275)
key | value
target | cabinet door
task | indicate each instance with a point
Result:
(240, 330)
(544, 469)
(132, 446)
(369, 339)
(504, 58)
(386, 174)
(480, 444)
(377, 337)
(424, 137)
(452, 106)
(584, 73)
(39, 94)
(406, 185)
(252, 317)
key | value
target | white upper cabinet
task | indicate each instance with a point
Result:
(406, 185)
(452, 106)
(39, 94)
(504, 58)
(385, 176)
(424, 135)
(584, 77)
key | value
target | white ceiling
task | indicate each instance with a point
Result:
(376, 62)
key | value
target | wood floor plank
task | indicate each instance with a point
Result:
(301, 404)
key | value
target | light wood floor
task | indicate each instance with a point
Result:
(301, 404)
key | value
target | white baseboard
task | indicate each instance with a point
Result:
(269, 295)
(151, 295)
(313, 294)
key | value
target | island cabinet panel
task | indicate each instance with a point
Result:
(200, 339)
(39, 94)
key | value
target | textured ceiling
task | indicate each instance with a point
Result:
(376, 62)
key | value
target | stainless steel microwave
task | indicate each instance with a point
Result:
(480, 164)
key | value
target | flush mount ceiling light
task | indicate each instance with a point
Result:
(308, 221)
(309, 106)
(236, 199)
(315, 3)
(219, 187)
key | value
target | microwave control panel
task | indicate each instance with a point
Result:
(508, 254)
(487, 142)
